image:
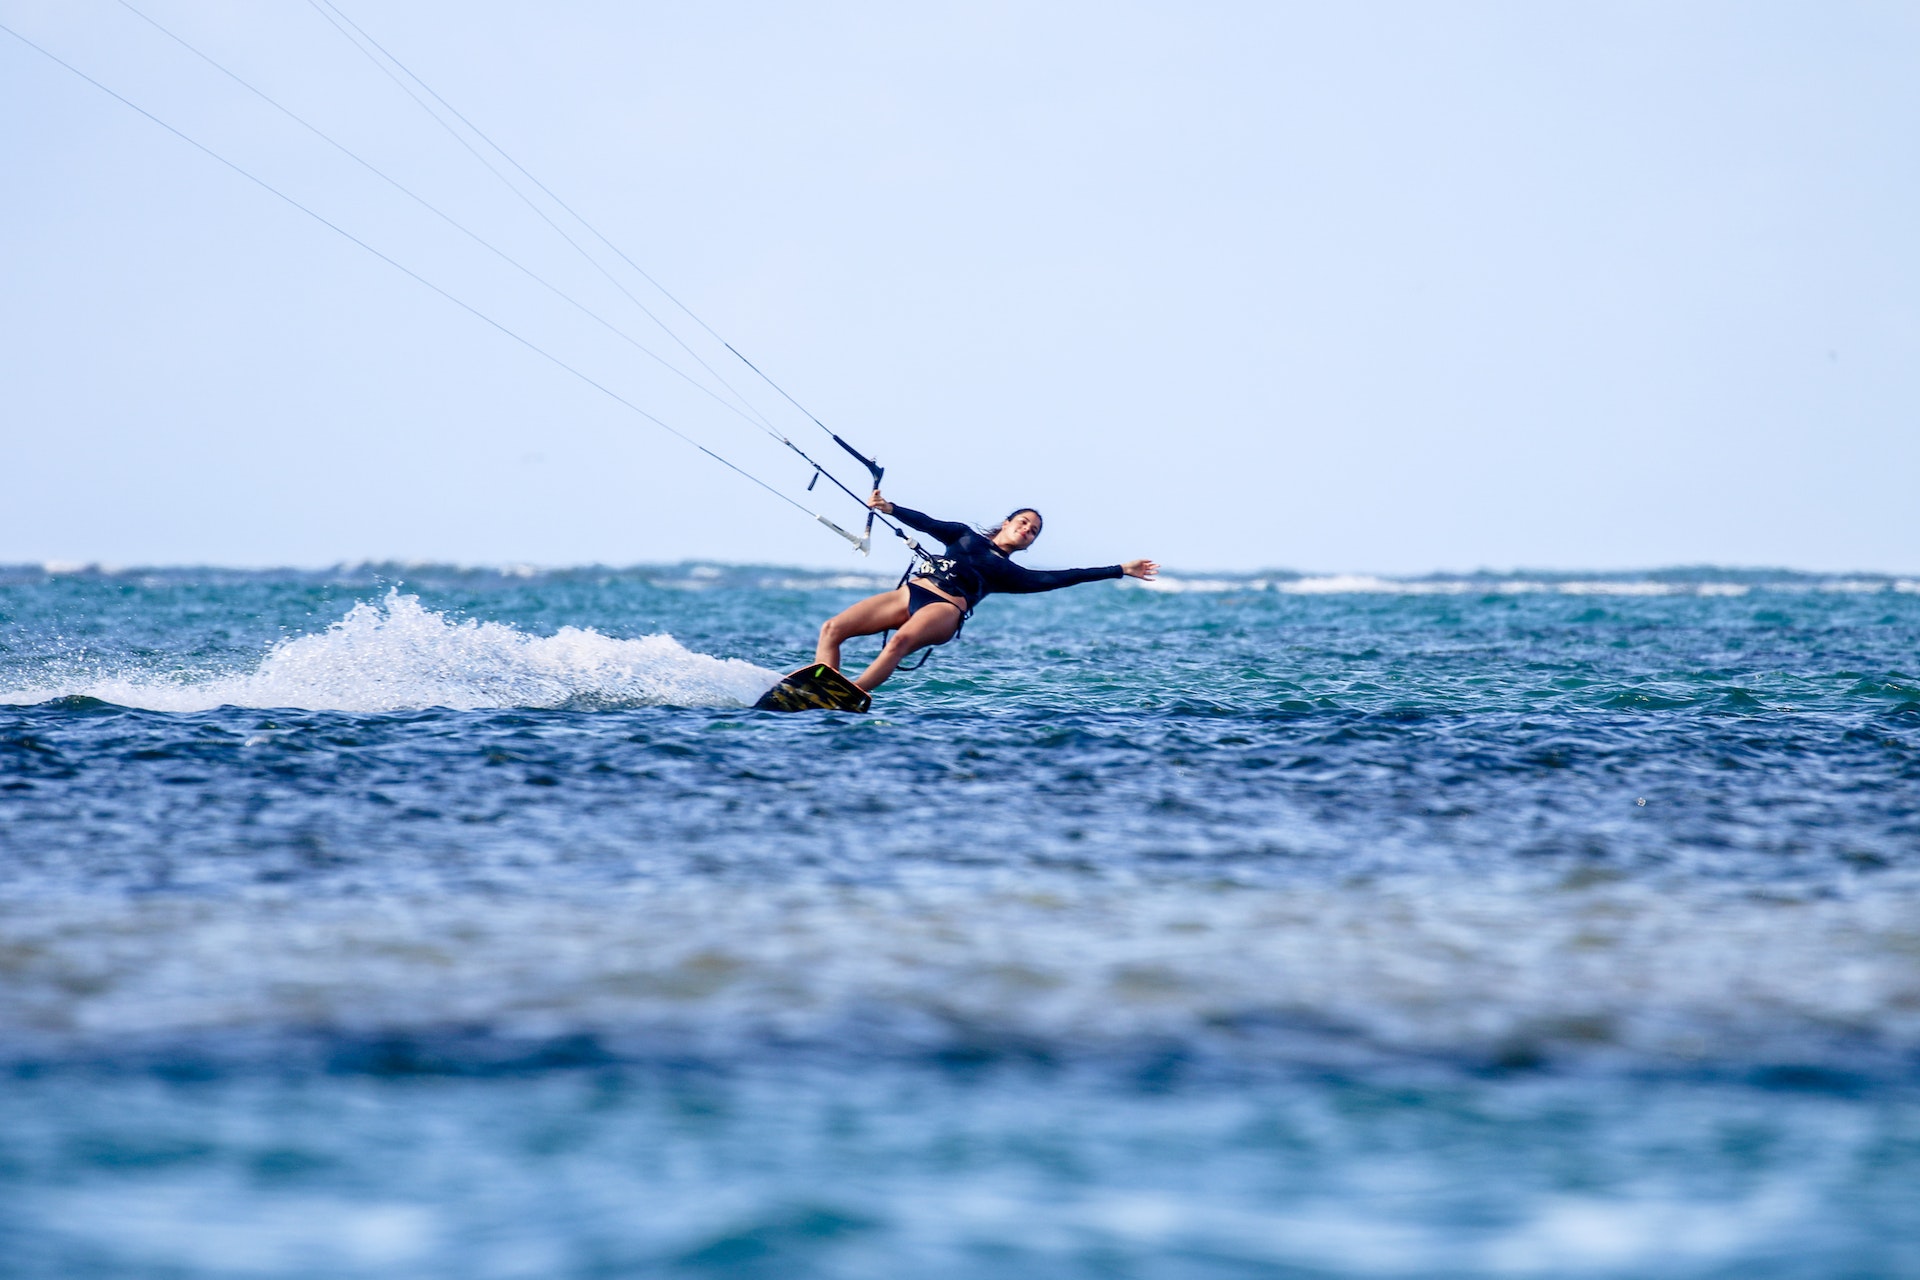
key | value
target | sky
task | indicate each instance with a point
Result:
(1389, 288)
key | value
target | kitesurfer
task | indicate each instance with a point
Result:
(929, 608)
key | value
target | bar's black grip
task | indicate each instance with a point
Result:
(865, 461)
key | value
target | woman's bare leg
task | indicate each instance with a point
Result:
(934, 624)
(871, 616)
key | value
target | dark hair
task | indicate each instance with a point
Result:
(1039, 522)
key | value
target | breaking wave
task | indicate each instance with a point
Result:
(398, 655)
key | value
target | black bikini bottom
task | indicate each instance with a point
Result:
(918, 598)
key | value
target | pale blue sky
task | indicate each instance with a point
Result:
(1343, 287)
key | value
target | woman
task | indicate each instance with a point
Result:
(929, 609)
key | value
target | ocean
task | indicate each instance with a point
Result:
(423, 921)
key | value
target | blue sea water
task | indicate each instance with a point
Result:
(419, 922)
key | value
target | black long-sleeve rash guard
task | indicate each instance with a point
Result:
(974, 568)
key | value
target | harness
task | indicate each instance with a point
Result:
(921, 558)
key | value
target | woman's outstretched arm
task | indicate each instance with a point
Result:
(1017, 579)
(948, 531)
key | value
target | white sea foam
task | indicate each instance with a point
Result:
(1604, 587)
(1203, 586)
(399, 655)
(1360, 583)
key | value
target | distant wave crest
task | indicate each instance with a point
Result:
(398, 655)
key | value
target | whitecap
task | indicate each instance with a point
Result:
(398, 655)
(1204, 586)
(1604, 587)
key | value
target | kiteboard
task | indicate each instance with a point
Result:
(815, 687)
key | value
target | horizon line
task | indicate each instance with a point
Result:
(56, 567)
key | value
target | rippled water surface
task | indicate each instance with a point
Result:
(432, 922)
